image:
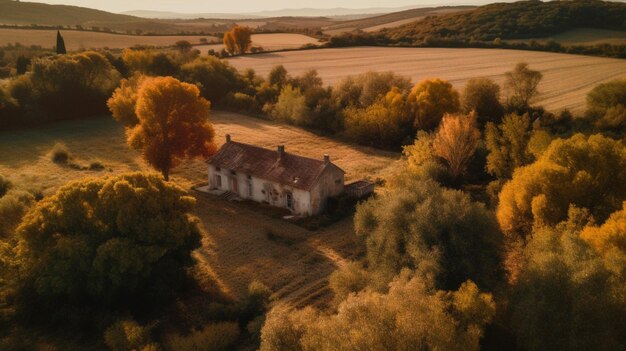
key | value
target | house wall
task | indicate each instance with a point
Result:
(331, 183)
(262, 190)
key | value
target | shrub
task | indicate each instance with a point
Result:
(13, 205)
(128, 335)
(213, 337)
(59, 153)
(96, 166)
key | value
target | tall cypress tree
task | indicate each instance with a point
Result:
(60, 44)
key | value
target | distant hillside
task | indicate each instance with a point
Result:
(13, 12)
(519, 20)
(391, 20)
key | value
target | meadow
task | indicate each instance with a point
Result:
(295, 263)
(567, 78)
(77, 40)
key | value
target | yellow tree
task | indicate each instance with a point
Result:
(429, 100)
(229, 43)
(456, 141)
(171, 121)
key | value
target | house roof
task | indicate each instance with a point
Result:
(289, 169)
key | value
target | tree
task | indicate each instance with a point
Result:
(522, 84)
(456, 141)
(482, 95)
(238, 40)
(429, 100)
(172, 122)
(411, 316)
(606, 105)
(570, 294)
(508, 145)
(21, 65)
(183, 46)
(216, 78)
(291, 107)
(60, 44)
(120, 242)
(383, 124)
(365, 89)
(432, 229)
(278, 76)
(584, 171)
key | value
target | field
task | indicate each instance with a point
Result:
(275, 41)
(567, 78)
(76, 40)
(294, 262)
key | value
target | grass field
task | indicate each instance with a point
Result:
(273, 41)
(237, 249)
(76, 40)
(567, 78)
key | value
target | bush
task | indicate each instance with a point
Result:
(128, 335)
(60, 153)
(213, 337)
(96, 166)
(13, 206)
(5, 185)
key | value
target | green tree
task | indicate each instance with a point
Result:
(606, 105)
(584, 171)
(430, 228)
(429, 100)
(60, 44)
(214, 77)
(107, 243)
(384, 124)
(507, 144)
(482, 95)
(291, 107)
(278, 76)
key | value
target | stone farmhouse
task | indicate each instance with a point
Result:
(300, 184)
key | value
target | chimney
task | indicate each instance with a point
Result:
(326, 159)
(228, 138)
(281, 151)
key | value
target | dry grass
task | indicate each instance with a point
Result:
(567, 78)
(237, 248)
(76, 40)
(274, 41)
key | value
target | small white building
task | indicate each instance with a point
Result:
(300, 184)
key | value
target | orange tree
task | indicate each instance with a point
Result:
(171, 121)
(238, 40)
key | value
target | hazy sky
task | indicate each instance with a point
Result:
(241, 6)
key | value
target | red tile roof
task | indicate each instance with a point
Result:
(289, 169)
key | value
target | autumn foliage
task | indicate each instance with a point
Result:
(456, 140)
(170, 121)
(238, 40)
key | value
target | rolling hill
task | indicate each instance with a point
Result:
(518, 20)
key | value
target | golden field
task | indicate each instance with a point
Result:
(77, 40)
(235, 252)
(567, 78)
(270, 42)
